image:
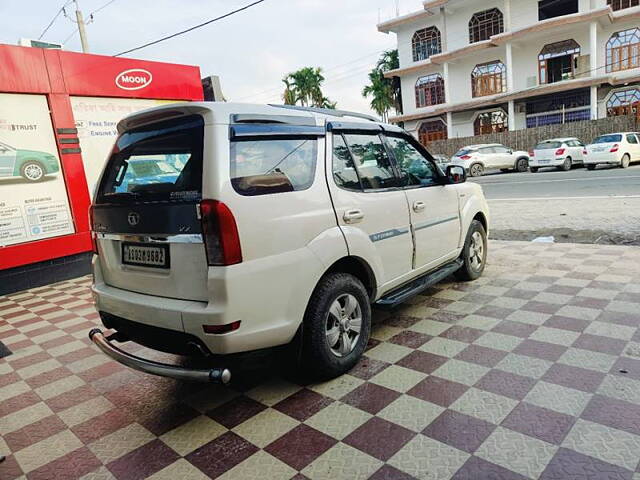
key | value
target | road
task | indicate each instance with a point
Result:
(581, 206)
(577, 183)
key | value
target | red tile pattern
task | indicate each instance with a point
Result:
(541, 355)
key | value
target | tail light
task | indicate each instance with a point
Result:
(94, 238)
(584, 152)
(560, 151)
(465, 157)
(532, 153)
(615, 148)
(220, 234)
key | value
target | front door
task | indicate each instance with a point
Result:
(7, 160)
(370, 206)
(434, 211)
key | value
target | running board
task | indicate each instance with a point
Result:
(399, 295)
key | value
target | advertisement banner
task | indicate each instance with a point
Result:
(96, 121)
(33, 196)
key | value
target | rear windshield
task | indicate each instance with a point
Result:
(548, 145)
(608, 139)
(160, 162)
(463, 152)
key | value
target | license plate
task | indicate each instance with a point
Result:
(145, 255)
(544, 160)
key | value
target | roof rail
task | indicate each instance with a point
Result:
(328, 111)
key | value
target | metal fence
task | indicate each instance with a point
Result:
(528, 138)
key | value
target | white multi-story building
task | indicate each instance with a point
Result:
(469, 67)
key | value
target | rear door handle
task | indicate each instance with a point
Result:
(353, 216)
(419, 206)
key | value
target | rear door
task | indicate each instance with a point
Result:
(434, 209)
(489, 157)
(145, 211)
(503, 157)
(371, 207)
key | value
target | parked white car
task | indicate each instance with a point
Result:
(282, 227)
(562, 153)
(475, 159)
(613, 149)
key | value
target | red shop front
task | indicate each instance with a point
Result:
(58, 117)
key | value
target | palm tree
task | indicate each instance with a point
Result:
(305, 86)
(385, 92)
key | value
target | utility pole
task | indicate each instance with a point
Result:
(81, 29)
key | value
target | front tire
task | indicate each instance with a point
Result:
(32, 171)
(522, 165)
(626, 160)
(337, 325)
(474, 253)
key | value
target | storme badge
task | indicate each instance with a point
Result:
(134, 79)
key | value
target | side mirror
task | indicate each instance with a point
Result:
(510, 152)
(456, 174)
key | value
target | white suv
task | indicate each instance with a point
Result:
(477, 158)
(613, 149)
(274, 226)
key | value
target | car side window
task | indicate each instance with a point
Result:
(487, 150)
(500, 149)
(371, 161)
(413, 166)
(265, 166)
(344, 170)
(632, 139)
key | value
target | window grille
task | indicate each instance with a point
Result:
(430, 90)
(488, 79)
(483, 25)
(426, 42)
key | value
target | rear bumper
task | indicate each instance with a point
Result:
(214, 375)
(554, 162)
(601, 159)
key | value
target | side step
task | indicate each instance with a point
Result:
(399, 295)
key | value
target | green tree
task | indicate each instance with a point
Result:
(385, 92)
(304, 87)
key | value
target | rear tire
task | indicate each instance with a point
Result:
(626, 160)
(476, 170)
(533, 169)
(474, 253)
(522, 165)
(591, 166)
(566, 165)
(332, 343)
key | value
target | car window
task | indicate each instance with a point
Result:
(264, 166)
(487, 150)
(547, 145)
(500, 149)
(632, 139)
(613, 138)
(371, 160)
(344, 171)
(414, 167)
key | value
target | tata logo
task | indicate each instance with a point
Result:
(134, 79)
(133, 218)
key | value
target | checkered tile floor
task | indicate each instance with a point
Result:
(531, 372)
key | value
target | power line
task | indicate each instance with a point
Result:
(191, 28)
(55, 17)
(102, 7)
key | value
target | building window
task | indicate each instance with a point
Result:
(488, 79)
(623, 50)
(426, 42)
(620, 4)
(559, 108)
(431, 131)
(556, 8)
(483, 25)
(558, 61)
(490, 122)
(430, 90)
(624, 102)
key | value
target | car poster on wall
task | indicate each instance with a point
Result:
(33, 197)
(97, 120)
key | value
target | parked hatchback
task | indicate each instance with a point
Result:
(613, 149)
(561, 153)
(281, 228)
(477, 158)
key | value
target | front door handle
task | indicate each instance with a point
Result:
(419, 206)
(353, 216)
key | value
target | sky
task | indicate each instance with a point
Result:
(251, 51)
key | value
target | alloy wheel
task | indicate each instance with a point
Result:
(476, 251)
(343, 325)
(33, 172)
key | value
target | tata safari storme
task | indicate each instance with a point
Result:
(282, 226)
